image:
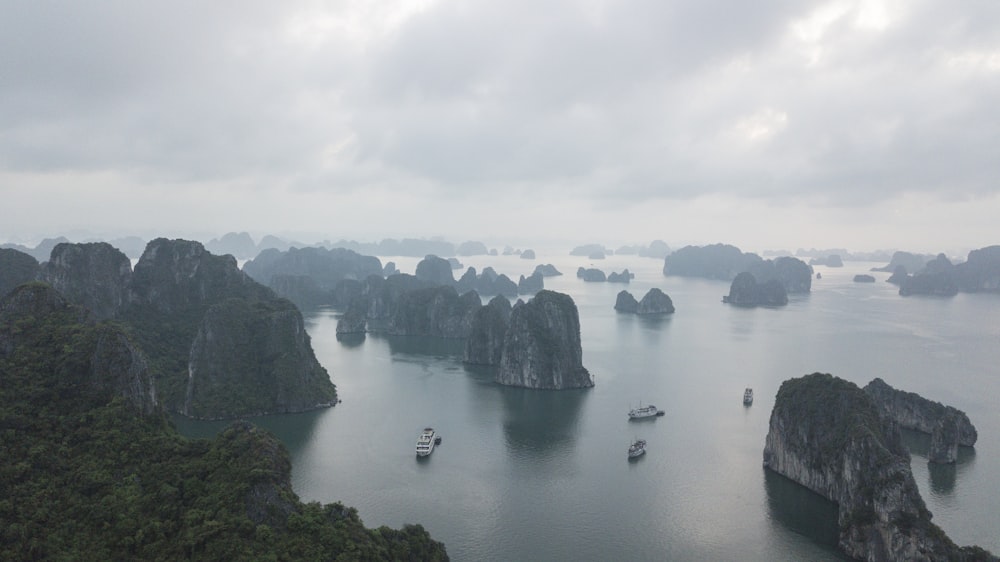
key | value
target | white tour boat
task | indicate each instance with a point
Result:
(637, 448)
(641, 412)
(426, 442)
(748, 396)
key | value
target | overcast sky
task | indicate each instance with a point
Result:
(769, 124)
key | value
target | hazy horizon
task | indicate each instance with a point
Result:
(858, 124)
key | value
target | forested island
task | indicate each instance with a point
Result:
(93, 469)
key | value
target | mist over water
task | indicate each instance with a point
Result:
(543, 475)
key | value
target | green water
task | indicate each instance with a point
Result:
(537, 475)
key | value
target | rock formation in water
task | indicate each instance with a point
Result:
(471, 248)
(97, 276)
(912, 411)
(547, 270)
(939, 277)
(625, 302)
(353, 321)
(899, 276)
(531, 284)
(254, 358)
(910, 261)
(793, 274)
(528, 254)
(40, 252)
(745, 291)
(489, 326)
(588, 249)
(591, 275)
(828, 435)
(434, 311)
(980, 271)
(624, 277)
(655, 302)
(16, 267)
(503, 285)
(832, 260)
(455, 264)
(945, 438)
(306, 276)
(864, 278)
(716, 261)
(435, 271)
(541, 348)
(185, 301)
(656, 249)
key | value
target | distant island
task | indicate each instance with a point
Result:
(724, 262)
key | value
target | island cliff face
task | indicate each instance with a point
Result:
(253, 358)
(97, 276)
(434, 311)
(16, 267)
(912, 411)
(625, 302)
(489, 326)
(745, 291)
(541, 348)
(828, 435)
(655, 302)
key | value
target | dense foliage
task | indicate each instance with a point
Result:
(87, 476)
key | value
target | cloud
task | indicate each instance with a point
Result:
(844, 103)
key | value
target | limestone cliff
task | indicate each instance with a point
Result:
(625, 302)
(435, 271)
(96, 362)
(828, 435)
(541, 348)
(434, 311)
(16, 267)
(912, 411)
(746, 291)
(531, 284)
(254, 358)
(655, 301)
(489, 326)
(96, 275)
(306, 276)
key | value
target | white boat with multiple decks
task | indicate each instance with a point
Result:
(425, 443)
(643, 412)
(748, 396)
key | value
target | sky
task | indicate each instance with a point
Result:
(866, 124)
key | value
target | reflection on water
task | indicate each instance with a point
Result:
(351, 340)
(539, 422)
(423, 345)
(942, 477)
(801, 510)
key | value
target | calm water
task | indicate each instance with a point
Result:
(537, 475)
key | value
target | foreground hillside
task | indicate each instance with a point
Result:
(92, 469)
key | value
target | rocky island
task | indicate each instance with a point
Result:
(746, 291)
(828, 435)
(94, 470)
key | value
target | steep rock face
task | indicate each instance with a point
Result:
(237, 244)
(624, 277)
(908, 260)
(828, 435)
(467, 282)
(531, 284)
(591, 275)
(301, 290)
(489, 326)
(253, 358)
(899, 276)
(944, 439)
(912, 411)
(178, 275)
(16, 267)
(323, 267)
(118, 367)
(655, 302)
(97, 361)
(625, 302)
(505, 286)
(716, 261)
(542, 348)
(435, 271)
(434, 311)
(353, 321)
(939, 277)
(547, 270)
(96, 275)
(745, 291)
(981, 270)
